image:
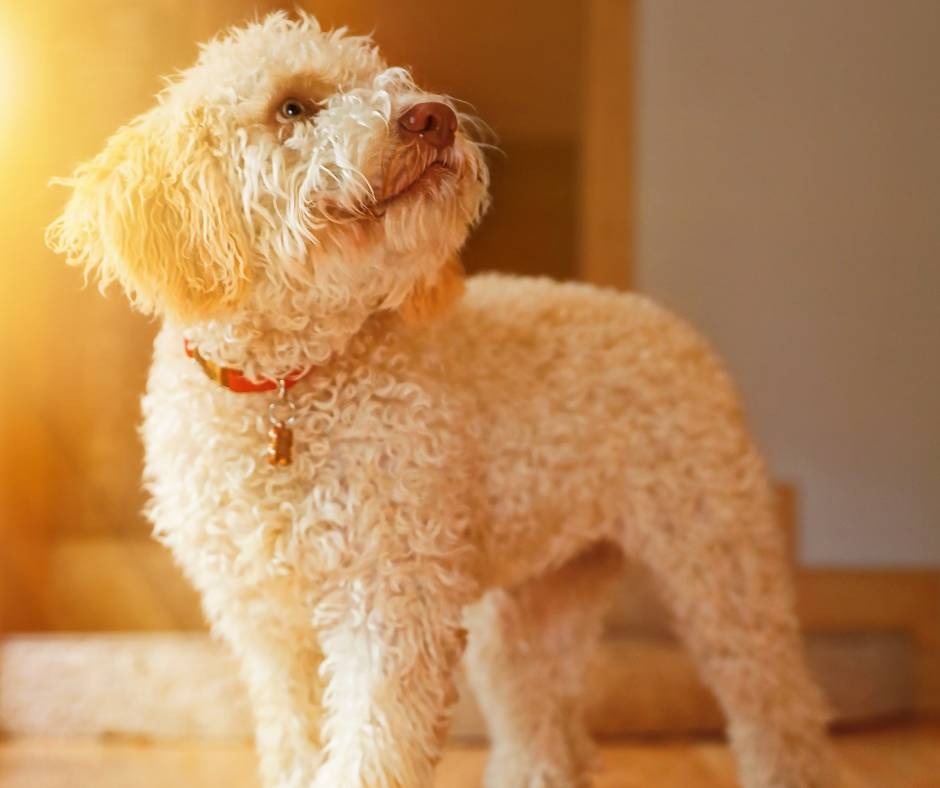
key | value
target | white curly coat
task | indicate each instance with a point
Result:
(478, 461)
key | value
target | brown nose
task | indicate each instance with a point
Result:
(431, 121)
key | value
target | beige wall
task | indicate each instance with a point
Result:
(789, 204)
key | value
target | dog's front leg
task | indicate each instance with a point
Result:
(267, 628)
(390, 644)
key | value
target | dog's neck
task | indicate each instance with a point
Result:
(289, 327)
(264, 347)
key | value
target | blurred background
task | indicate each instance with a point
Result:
(769, 170)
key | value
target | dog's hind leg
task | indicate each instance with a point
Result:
(718, 555)
(526, 658)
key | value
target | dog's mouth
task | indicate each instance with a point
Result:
(410, 173)
(432, 175)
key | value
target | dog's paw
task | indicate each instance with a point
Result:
(514, 769)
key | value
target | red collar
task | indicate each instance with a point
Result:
(234, 379)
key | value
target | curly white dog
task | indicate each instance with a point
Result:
(353, 459)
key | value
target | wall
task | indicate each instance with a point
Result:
(789, 190)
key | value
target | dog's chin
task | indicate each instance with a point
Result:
(436, 182)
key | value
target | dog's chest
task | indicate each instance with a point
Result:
(368, 439)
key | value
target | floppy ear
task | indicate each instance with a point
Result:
(154, 212)
(430, 299)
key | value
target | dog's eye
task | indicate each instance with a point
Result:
(292, 109)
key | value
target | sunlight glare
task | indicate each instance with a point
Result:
(8, 75)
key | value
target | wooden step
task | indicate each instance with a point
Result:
(184, 685)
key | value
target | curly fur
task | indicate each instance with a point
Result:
(480, 459)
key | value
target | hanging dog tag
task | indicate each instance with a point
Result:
(281, 446)
(281, 435)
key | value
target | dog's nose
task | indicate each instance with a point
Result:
(431, 121)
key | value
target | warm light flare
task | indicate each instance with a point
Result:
(8, 75)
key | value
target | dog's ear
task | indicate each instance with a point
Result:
(430, 299)
(153, 211)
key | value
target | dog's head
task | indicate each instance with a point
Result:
(289, 169)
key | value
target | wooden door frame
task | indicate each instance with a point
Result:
(607, 190)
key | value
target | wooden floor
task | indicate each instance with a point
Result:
(897, 757)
